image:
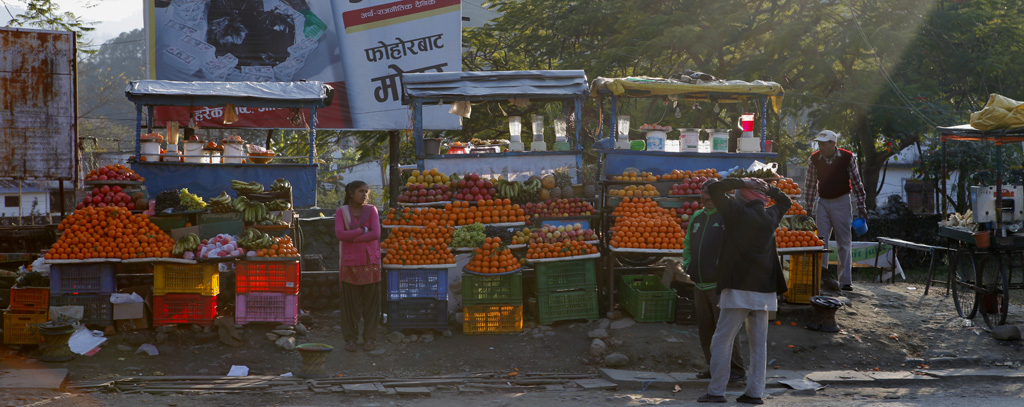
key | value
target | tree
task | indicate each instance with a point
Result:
(47, 15)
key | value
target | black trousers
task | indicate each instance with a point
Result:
(360, 303)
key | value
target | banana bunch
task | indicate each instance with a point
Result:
(281, 185)
(272, 220)
(278, 205)
(508, 189)
(190, 201)
(221, 203)
(530, 189)
(253, 239)
(251, 187)
(254, 213)
(186, 244)
(799, 222)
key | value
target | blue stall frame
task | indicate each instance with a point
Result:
(209, 180)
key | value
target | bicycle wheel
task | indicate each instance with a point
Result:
(993, 299)
(964, 296)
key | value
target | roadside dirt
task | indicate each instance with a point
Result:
(885, 326)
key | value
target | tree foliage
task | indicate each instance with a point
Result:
(46, 14)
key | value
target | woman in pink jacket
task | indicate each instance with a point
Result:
(357, 226)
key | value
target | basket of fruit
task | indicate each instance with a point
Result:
(259, 155)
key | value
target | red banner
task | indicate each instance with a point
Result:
(335, 116)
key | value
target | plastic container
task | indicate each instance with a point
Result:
(233, 153)
(267, 277)
(567, 305)
(30, 298)
(689, 139)
(150, 150)
(266, 307)
(647, 299)
(860, 226)
(97, 309)
(656, 140)
(82, 278)
(566, 275)
(486, 289)
(804, 278)
(184, 309)
(194, 152)
(425, 283)
(720, 141)
(202, 279)
(19, 327)
(492, 319)
(417, 313)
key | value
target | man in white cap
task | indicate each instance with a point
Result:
(831, 175)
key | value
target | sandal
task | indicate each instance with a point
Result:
(369, 345)
(710, 398)
(749, 400)
(351, 346)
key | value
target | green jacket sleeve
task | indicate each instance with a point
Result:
(686, 240)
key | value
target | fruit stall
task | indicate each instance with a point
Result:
(205, 166)
(651, 185)
(519, 157)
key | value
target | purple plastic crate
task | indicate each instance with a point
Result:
(422, 283)
(266, 307)
(82, 278)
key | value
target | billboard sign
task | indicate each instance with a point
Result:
(276, 40)
(38, 136)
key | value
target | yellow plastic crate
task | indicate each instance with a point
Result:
(804, 277)
(177, 278)
(492, 319)
(18, 327)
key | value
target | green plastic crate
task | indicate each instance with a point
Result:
(567, 305)
(166, 223)
(209, 218)
(565, 275)
(647, 299)
(502, 288)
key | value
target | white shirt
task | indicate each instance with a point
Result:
(752, 300)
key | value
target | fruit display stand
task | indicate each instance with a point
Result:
(210, 97)
(568, 87)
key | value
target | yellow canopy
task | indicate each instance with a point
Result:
(717, 91)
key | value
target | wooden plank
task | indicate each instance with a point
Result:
(418, 383)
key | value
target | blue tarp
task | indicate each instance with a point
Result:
(208, 180)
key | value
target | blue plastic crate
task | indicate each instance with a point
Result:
(417, 313)
(82, 278)
(419, 283)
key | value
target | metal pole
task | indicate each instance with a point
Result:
(312, 136)
(138, 133)
(613, 117)
(999, 184)
(394, 173)
(764, 120)
(942, 146)
(60, 190)
(417, 131)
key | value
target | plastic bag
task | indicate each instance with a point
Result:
(1000, 112)
(757, 165)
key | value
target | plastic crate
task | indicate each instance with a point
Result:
(492, 318)
(30, 298)
(267, 277)
(424, 283)
(565, 275)
(686, 311)
(266, 307)
(166, 223)
(417, 313)
(82, 278)
(565, 305)
(184, 309)
(97, 309)
(209, 218)
(647, 299)
(18, 327)
(496, 289)
(804, 278)
(177, 278)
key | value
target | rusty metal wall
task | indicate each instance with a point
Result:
(38, 96)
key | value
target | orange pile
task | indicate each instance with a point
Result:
(109, 233)
(492, 257)
(635, 190)
(796, 238)
(795, 209)
(680, 174)
(564, 248)
(459, 213)
(641, 224)
(408, 246)
(633, 176)
(787, 185)
(283, 248)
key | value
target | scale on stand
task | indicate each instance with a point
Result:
(983, 204)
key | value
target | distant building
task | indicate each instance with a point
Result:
(32, 198)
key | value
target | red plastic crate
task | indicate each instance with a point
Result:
(184, 309)
(267, 307)
(267, 277)
(30, 298)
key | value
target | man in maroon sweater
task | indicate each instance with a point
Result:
(831, 175)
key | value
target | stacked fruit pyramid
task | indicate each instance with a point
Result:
(641, 224)
(492, 290)
(416, 272)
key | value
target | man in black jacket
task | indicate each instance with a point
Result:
(701, 247)
(749, 279)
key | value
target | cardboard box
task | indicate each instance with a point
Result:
(133, 310)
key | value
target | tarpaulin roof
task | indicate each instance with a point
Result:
(717, 90)
(494, 85)
(250, 94)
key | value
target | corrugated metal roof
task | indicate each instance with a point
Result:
(494, 85)
(11, 186)
(250, 94)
